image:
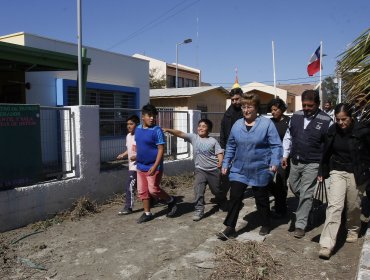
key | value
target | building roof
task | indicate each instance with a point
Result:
(24, 58)
(173, 65)
(184, 67)
(263, 87)
(297, 89)
(183, 92)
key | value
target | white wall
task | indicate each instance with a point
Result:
(106, 68)
(298, 103)
(21, 206)
(160, 65)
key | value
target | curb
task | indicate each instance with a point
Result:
(363, 271)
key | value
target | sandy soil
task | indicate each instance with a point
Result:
(107, 246)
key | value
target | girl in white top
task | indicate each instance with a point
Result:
(130, 153)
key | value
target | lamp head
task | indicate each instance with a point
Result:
(188, 41)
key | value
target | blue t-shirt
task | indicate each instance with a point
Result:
(147, 140)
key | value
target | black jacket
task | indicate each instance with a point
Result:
(230, 117)
(308, 143)
(359, 151)
(281, 126)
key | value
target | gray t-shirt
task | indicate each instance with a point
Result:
(205, 151)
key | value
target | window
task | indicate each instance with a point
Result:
(112, 123)
(180, 82)
(171, 81)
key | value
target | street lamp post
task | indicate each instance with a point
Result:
(177, 58)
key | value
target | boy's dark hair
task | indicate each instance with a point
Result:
(279, 103)
(149, 109)
(135, 119)
(208, 123)
(311, 95)
(235, 91)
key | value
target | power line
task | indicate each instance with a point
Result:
(311, 79)
(154, 23)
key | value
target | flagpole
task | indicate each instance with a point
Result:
(320, 90)
(273, 66)
(79, 49)
(340, 89)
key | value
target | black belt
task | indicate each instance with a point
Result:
(296, 161)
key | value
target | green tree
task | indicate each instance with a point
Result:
(156, 80)
(354, 68)
(330, 90)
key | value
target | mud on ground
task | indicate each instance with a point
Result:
(93, 242)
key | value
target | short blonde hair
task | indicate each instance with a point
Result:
(251, 99)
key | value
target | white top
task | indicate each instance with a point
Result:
(131, 151)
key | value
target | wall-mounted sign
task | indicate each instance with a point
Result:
(20, 145)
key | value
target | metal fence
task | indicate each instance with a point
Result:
(113, 133)
(52, 145)
(56, 142)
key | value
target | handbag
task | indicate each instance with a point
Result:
(317, 213)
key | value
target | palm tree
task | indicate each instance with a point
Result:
(354, 68)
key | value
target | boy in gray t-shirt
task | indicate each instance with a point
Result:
(208, 156)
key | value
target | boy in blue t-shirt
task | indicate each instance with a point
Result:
(149, 159)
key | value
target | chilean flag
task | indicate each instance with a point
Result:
(314, 63)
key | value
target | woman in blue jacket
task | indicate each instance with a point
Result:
(253, 154)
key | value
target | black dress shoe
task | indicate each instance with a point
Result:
(228, 233)
(264, 230)
(299, 233)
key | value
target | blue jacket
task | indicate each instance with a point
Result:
(251, 153)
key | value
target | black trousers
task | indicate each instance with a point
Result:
(279, 189)
(225, 183)
(261, 196)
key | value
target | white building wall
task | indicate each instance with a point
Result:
(298, 103)
(106, 68)
(154, 64)
(43, 89)
(21, 206)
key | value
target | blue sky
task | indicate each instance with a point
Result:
(226, 34)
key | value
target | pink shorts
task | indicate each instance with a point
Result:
(150, 185)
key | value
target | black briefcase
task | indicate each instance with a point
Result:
(319, 204)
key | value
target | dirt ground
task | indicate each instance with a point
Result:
(105, 245)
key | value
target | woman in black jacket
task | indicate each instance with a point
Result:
(278, 187)
(346, 159)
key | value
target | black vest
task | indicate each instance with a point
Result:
(307, 144)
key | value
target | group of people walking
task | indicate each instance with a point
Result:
(268, 155)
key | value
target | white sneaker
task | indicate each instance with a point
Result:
(352, 235)
(324, 253)
(197, 216)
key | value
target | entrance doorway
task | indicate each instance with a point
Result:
(12, 88)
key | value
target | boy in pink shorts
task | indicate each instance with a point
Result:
(149, 159)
